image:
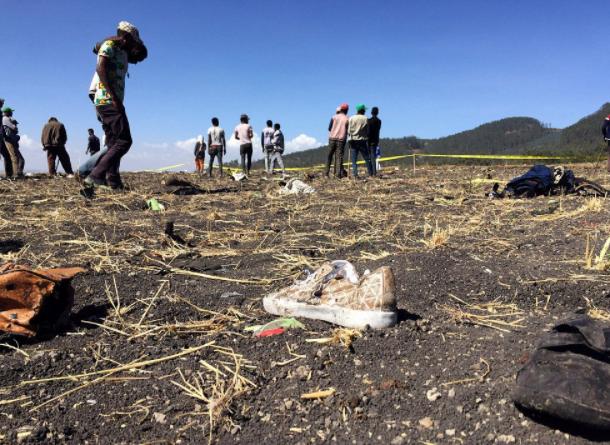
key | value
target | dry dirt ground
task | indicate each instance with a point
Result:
(157, 352)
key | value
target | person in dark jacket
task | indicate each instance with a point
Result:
(53, 139)
(11, 141)
(199, 154)
(606, 133)
(374, 131)
(93, 143)
(6, 157)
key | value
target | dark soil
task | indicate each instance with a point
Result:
(430, 379)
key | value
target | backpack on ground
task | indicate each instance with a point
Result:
(566, 380)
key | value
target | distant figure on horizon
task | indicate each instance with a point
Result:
(6, 157)
(93, 143)
(53, 140)
(337, 137)
(113, 58)
(217, 145)
(278, 149)
(358, 133)
(267, 144)
(244, 134)
(199, 153)
(606, 133)
(374, 131)
(11, 141)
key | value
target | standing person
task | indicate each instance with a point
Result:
(53, 140)
(337, 136)
(267, 145)
(217, 145)
(8, 165)
(374, 131)
(277, 141)
(11, 141)
(199, 153)
(93, 143)
(358, 134)
(606, 133)
(112, 64)
(244, 134)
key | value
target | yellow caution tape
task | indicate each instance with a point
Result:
(171, 167)
(513, 157)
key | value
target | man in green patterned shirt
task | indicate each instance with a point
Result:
(113, 57)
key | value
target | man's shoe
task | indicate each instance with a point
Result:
(336, 294)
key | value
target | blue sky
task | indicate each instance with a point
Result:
(433, 67)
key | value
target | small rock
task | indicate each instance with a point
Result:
(160, 418)
(483, 408)
(302, 372)
(451, 393)
(433, 394)
(506, 438)
(426, 422)
(450, 432)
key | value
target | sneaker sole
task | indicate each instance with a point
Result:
(349, 318)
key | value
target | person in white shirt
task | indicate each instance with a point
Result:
(244, 134)
(278, 148)
(217, 145)
(267, 144)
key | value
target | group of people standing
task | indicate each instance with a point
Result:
(53, 140)
(363, 135)
(272, 144)
(217, 148)
(107, 92)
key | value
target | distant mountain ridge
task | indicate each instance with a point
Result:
(513, 135)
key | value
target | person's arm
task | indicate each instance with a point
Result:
(224, 142)
(263, 141)
(250, 133)
(330, 125)
(89, 141)
(209, 139)
(102, 72)
(63, 134)
(236, 134)
(42, 136)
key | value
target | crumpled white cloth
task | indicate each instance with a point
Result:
(296, 186)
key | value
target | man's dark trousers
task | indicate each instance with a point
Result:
(362, 148)
(54, 152)
(245, 151)
(118, 141)
(6, 157)
(373, 157)
(336, 152)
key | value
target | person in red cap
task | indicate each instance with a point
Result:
(337, 137)
(606, 133)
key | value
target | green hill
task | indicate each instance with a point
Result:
(513, 135)
(499, 137)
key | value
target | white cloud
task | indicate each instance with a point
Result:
(188, 144)
(26, 141)
(301, 142)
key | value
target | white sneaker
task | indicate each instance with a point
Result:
(336, 294)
